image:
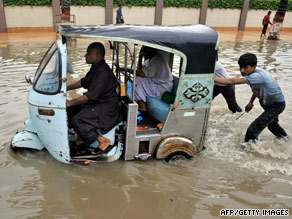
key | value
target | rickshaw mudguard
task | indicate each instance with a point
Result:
(52, 128)
(26, 139)
(172, 144)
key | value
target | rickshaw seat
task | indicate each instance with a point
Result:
(156, 107)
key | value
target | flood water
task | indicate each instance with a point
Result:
(224, 175)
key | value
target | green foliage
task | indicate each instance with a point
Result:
(267, 5)
(88, 3)
(182, 3)
(27, 2)
(137, 3)
(232, 4)
(289, 6)
(264, 4)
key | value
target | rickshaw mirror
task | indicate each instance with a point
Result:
(28, 79)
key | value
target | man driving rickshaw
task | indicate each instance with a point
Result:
(96, 111)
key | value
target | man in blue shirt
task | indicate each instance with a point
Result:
(119, 17)
(266, 89)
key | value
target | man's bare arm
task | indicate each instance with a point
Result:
(230, 81)
(75, 85)
(80, 100)
(140, 73)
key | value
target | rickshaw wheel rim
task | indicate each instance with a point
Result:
(177, 156)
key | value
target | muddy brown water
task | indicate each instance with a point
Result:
(223, 176)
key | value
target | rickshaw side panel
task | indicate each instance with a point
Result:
(186, 122)
(132, 143)
(194, 91)
(53, 132)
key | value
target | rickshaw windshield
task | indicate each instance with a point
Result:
(48, 74)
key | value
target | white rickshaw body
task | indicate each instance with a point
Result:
(174, 130)
(46, 126)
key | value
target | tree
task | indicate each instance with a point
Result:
(278, 20)
(65, 8)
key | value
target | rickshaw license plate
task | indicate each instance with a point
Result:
(188, 114)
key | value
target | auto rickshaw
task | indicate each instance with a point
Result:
(174, 130)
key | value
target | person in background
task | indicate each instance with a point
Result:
(119, 17)
(228, 91)
(266, 89)
(266, 22)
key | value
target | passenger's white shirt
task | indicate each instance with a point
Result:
(220, 72)
(158, 69)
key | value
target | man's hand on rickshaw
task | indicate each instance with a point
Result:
(68, 103)
(248, 107)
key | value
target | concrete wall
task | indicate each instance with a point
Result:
(137, 15)
(288, 20)
(42, 17)
(176, 16)
(27, 16)
(88, 15)
(223, 17)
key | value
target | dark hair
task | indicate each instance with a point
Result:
(97, 46)
(269, 12)
(154, 50)
(247, 59)
(120, 5)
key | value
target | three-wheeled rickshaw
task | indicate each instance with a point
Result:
(173, 130)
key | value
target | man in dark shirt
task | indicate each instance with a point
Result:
(98, 107)
(119, 17)
(266, 22)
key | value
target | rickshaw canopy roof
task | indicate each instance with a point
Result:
(197, 42)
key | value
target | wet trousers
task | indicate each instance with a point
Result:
(228, 93)
(84, 121)
(264, 29)
(270, 118)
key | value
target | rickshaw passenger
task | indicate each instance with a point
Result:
(153, 77)
(98, 107)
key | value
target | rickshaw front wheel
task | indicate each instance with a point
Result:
(177, 156)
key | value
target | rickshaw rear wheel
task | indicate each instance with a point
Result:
(177, 156)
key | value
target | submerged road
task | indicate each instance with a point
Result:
(224, 176)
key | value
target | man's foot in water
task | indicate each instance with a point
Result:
(238, 109)
(104, 146)
(103, 143)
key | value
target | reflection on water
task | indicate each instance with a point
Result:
(225, 175)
